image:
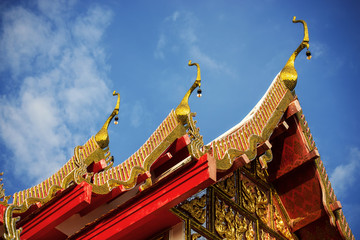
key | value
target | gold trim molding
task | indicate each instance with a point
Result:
(11, 233)
(256, 130)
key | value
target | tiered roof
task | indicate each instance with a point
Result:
(177, 144)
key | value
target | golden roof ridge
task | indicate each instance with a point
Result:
(74, 170)
(178, 122)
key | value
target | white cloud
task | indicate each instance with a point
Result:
(179, 33)
(24, 39)
(175, 16)
(208, 61)
(159, 54)
(89, 28)
(317, 49)
(137, 114)
(58, 72)
(345, 174)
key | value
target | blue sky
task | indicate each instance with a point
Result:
(61, 60)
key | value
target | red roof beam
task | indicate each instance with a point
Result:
(57, 212)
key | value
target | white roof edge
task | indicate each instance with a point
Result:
(248, 117)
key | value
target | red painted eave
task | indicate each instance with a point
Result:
(294, 174)
(152, 207)
(38, 226)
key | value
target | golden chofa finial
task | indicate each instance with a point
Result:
(2, 193)
(2, 190)
(182, 111)
(288, 74)
(102, 137)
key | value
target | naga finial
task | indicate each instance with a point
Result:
(288, 74)
(2, 190)
(102, 137)
(2, 193)
(182, 111)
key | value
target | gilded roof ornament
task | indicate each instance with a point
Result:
(183, 110)
(11, 233)
(2, 193)
(288, 74)
(2, 190)
(185, 116)
(102, 137)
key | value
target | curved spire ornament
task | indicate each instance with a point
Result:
(102, 137)
(288, 74)
(183, 109)
(2, 193)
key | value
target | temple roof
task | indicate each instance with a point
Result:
(177, 141)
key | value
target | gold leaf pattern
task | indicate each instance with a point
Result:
(261, 173)
(262, 205)
(254, 200)
(248, 195)
(195, 236)
(280, 225)
(196, 208)
(228, 186)
(230, 224)
(265, 235)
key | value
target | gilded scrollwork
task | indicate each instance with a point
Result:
(265, 159)
(11, 233)
(280, 226)
(264, 235)
(2, 193)
(248, 194)
(250, 233)
(260, 172)
(255, 200)
(2, 190)
(196, 208)
(195, 236)
(229, 219)
(197, 141)
(80, 171)
(228, 186)
(262, 205)
(230, 224)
